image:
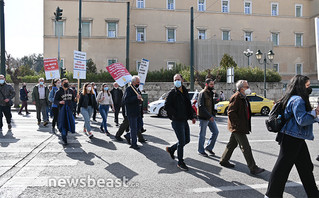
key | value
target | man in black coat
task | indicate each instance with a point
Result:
(179, 110)
(117, 95)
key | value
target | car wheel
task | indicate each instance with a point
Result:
(226, 110)
(265, 111)
(162, 112)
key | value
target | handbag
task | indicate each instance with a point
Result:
(10, 101)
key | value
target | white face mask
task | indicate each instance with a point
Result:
(89, 88)
(248, 91)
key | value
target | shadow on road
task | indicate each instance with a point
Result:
(102, 143)
(7, 139)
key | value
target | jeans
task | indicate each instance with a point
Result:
(87, 113)
(182, 132)
(202, 134)
(104, 110)
(135, 127)
(41, 107)
(6, 110)
(293, 151)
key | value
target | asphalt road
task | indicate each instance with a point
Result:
(34, 164)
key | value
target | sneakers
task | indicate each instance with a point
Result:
(203, 154)
(227, 164)
(210, 152)
(90, 134)
(9, 126)
(45, 123)
(168, 149)
(257, 170)
(182, 166)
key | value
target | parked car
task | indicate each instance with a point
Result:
(157, 107)
(258, 104)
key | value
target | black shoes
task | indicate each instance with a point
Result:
(45, 123)
(170, 152)
(317, 158)
(203, 154)
(119, 138)
(227, 164)
(28, 113)
(257, 170)
(210, 152)
(102, 130)
(9, 126)
(107, 133)
(135, 147)
(182, 166)
(127, 139)
(142, 140)
(143, 130)
(20, 113)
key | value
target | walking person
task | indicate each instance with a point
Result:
(63, 98)
(133, 107)
(117, 95)
(40, 97)
(206, 115)
(94, 88)
(74, 103)
(293, 148)
(104, 98)
(179, 110)
(86, 105)
(56, 84)
(24, 99)
(239, 124)
(7, 93)
(221, 96)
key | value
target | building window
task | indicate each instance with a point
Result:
(140, 34)
(140, 4)
(225, 6)
(276, 67)
(299, 69)
(171, 65)
(274, 9)
(299, 40)
(111, 29)
(247, 7)
(298, 10)
(201, 34)
(59, 28)
(275, 39)
(138, 64)
(171, 4)
(111, 61)
(248, 36)
(171, 37)
(226, 35)
(86, 29)
(201, 5)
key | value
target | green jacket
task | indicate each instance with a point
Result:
(36, 97)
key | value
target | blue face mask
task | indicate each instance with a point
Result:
(1, 81)
(41, 83)
(106, 88)
(178, 83)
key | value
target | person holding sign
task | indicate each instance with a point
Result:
(105, 100)
(86, 105)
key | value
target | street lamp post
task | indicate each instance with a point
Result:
(270, 56)
(248, 53)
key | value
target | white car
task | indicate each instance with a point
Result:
(157, 107)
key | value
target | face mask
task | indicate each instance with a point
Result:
(94, 87)
(106, 88)
(210, 88)
(247, 91)
(89, 88)
(309, 90)
(58, 84)
(137, 85)
(178, 83)
(66, 85)
(41, 83)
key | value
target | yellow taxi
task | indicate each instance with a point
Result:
(258, 104)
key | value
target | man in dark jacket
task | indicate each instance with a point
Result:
(133, 104)
(179, 110)
(24, 98)
(117, 95)
(206, 115)
(239, 124)
(6, 94)
(40, 97)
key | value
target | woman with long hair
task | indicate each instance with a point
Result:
(293, 148)
(104, 98)
(86, 105)
(56, 84)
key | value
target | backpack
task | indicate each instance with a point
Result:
(276, 119)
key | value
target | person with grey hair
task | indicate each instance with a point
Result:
(40, 97)
(239, 124)
(6, 94)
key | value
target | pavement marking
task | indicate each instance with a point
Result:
(241, 187)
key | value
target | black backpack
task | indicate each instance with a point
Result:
(276, 119)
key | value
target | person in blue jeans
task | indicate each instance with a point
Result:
(87, 103)
(179, 110)
(206, 115)
(56, 84)
(104, 98)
